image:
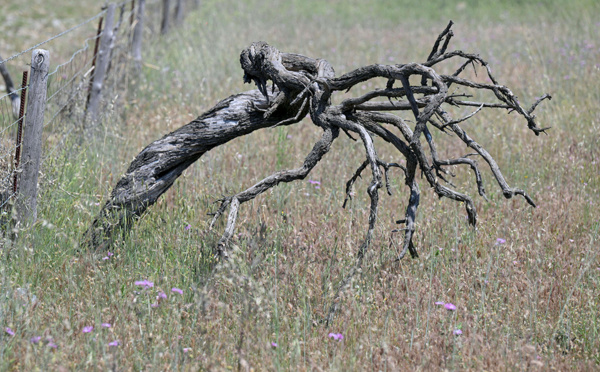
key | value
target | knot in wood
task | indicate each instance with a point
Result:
(253, 60)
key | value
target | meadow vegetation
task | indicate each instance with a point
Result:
(524, 284)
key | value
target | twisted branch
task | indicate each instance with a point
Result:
(304, 86)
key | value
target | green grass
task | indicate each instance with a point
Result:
(529, 304)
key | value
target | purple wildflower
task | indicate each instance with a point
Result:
(154, 305)
(274, 345)
(457, 332)
(450, 307)
(500, 241)
(114, 343)
(289, 136)
(35, 339)
(161, 294)
(105, 258)
(188, 227)
(336, 336)
(109, 254)
(144, 283)
(52, 345)
(174, 289)
(106, 325)
(313, 182)
(440, 303)
(187, 349)
(87, 329)
(9, 331)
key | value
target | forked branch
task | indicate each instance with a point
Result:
(304, 86)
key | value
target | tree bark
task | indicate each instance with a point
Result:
(157, 166)
(304, 86)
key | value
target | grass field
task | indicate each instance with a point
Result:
(530, 303)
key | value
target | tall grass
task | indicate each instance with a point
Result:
(529, 303)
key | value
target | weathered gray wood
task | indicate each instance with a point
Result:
(10, 89)
(302, 86)
(157, 166)
(138, 32)
(26, 206)
(178, 11)
(164, 26)
(102, 61)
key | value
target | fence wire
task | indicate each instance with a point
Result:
(54, 37)
(68, 88)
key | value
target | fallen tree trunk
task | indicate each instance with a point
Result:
(157, 166)
(302, 86)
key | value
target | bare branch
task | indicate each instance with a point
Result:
(464, 118)
(305, 86)
(316, 154)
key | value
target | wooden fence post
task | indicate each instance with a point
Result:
(101, 66)
(178, 12)
(26, 206)
(138, 33)
(164, 28)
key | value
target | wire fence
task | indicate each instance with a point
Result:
(70, 81)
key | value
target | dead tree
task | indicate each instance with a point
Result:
(303, 86)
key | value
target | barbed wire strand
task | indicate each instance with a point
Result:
(54, 37)
(8, 199)
(10, 125)
(14, 91)
(86, 47)
(46, 124)
(75, 75)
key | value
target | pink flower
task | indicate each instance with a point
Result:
(144, 283)
(161, 294)
(177, 290)
(106, 325)
(313, 182)
(9, 331)
(274, 345)
(187, 349)
(188, 227)
(457, 332)
(500, 241)
(114, 343)
(109, 254)
(440, 303)
(87, 329)
(52, 345)
(450, 307)
(154, 305)
(35, 339)
(105, 258)
(336, 336)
